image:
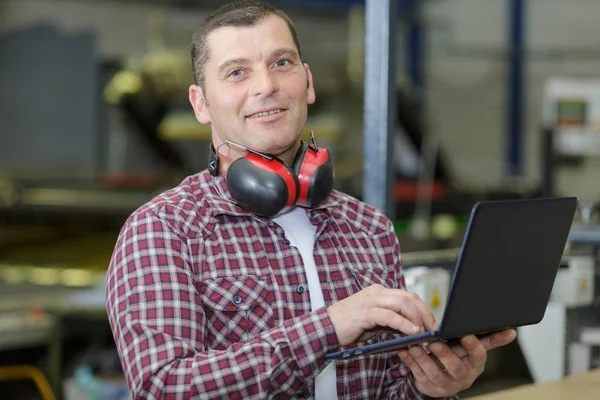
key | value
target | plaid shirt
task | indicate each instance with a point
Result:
(206, 300)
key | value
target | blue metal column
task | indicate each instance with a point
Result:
(379, 107)
(415, 45)
(516, 92)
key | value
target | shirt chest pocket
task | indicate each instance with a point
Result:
(236, 309)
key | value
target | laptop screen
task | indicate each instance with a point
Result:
(505, 272)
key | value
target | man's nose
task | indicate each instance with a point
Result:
(265, 83)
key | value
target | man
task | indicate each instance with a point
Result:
(207, 299)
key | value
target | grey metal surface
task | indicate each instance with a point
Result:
(23, 337)
(102, 199)
(450, 255)
(88, 199)
(24, 296)
(379, 106)
(20, 328)
(431, 257)
(587, 235)
(48, 102)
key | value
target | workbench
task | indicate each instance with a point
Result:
(575, 387)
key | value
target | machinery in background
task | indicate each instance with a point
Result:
(556, 347)
(571, 136)
(567, 341)
(133, 135)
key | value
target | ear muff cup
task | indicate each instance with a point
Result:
(315, 172)
(262, 186)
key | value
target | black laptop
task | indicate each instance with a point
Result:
(504, 275)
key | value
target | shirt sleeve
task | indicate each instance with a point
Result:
(158, 323)
(399, 380)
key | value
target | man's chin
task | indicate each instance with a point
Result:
(283, 151)
(273, 142)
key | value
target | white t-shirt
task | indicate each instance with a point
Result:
(301, 234)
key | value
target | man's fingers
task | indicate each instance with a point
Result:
(430, 368)
(410, 305)
(388, 318)
(378, 307)
(402, 305)
(425, 311)
(414, 367)
(475, 349)
(452, 363)
(490, 341)
(499, 339)
(459, 351)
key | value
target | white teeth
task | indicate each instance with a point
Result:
(264, 114)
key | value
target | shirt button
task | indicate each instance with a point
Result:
(306, 394)
(286, 240)
(301, 289)
(237, 299)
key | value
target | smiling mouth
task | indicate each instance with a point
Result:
(266, 113)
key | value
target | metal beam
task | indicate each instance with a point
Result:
(516, 92)
(415, 51)
(379, 108)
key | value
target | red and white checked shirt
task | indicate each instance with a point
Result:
(208, 301)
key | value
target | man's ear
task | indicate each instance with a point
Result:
(310, 89)
(199, 104)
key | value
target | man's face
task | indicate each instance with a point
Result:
(257, 89)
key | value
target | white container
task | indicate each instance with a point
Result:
(432, 285)
(574, 285)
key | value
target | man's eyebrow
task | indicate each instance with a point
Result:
(286, 51)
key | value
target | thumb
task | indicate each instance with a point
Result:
(499, 339)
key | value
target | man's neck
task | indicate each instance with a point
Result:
(228, 154)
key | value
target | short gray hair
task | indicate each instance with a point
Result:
(241, 13)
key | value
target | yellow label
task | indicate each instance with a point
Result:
(583, 284)
(435, 300)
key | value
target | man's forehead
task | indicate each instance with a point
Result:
(226, 38)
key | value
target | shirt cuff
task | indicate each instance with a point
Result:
(309, 338)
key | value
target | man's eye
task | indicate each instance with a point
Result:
(283, 63)
(236, 73)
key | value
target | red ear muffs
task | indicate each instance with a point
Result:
(261, 185)
(314, 168)
(265, 185)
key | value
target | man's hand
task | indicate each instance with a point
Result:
(457, 367)
(359, 316)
